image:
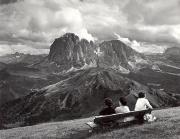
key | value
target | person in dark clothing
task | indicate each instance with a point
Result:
(108, 110)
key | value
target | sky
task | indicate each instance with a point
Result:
(30, 26)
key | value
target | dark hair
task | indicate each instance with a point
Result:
(141, 95)
(108, 102)
(123, 101)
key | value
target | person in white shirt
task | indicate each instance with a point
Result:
(143, 104)
(123, 108)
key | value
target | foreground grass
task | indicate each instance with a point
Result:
(167, 127)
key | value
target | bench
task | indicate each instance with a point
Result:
(118, 119)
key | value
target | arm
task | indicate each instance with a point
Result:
(148, 104)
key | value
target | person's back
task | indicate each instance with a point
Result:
(108, 110)
(142, 103)
(123, 108)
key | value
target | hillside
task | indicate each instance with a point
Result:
(167, 127)
(173, 54)
(79, 95)
(17, 80)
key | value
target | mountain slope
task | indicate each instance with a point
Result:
(173, 54)
(79, 95)
(17, 80)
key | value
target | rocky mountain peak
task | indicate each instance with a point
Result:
(69, 51)
(70, 37)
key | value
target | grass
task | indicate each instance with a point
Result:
(167, 127)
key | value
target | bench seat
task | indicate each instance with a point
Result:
(110, 120)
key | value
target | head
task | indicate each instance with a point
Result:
(108, 102)
(122, 101)
(141, 95)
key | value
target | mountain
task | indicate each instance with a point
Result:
(173, 54)
(13, 86)
(76, 76)
(69, 51)
(80, 94)
(168, 75)
(167, 79)
(17, 80)
(21, 58)
(120, 56)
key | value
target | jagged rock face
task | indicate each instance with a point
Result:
(80, 94)
(117, 54)
(69, 51)
(173, 54)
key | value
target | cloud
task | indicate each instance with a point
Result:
(7, 1)
(142, 47)
(36, 23)
(153, 12)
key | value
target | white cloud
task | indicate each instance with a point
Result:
(125, 40)
(142, 47)
(36, 23)
(176, 32)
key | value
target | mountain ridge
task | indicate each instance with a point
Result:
(69, 51)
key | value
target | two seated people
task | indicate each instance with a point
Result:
(141, 104)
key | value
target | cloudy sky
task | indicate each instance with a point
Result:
(30, 26)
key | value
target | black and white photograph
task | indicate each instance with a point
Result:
(89, 69)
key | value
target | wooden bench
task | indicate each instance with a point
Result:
(118, 119)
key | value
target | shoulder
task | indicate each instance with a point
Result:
(142, 99)
(117, 108)
(146, 100)
(127, 108)
(103, 110)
